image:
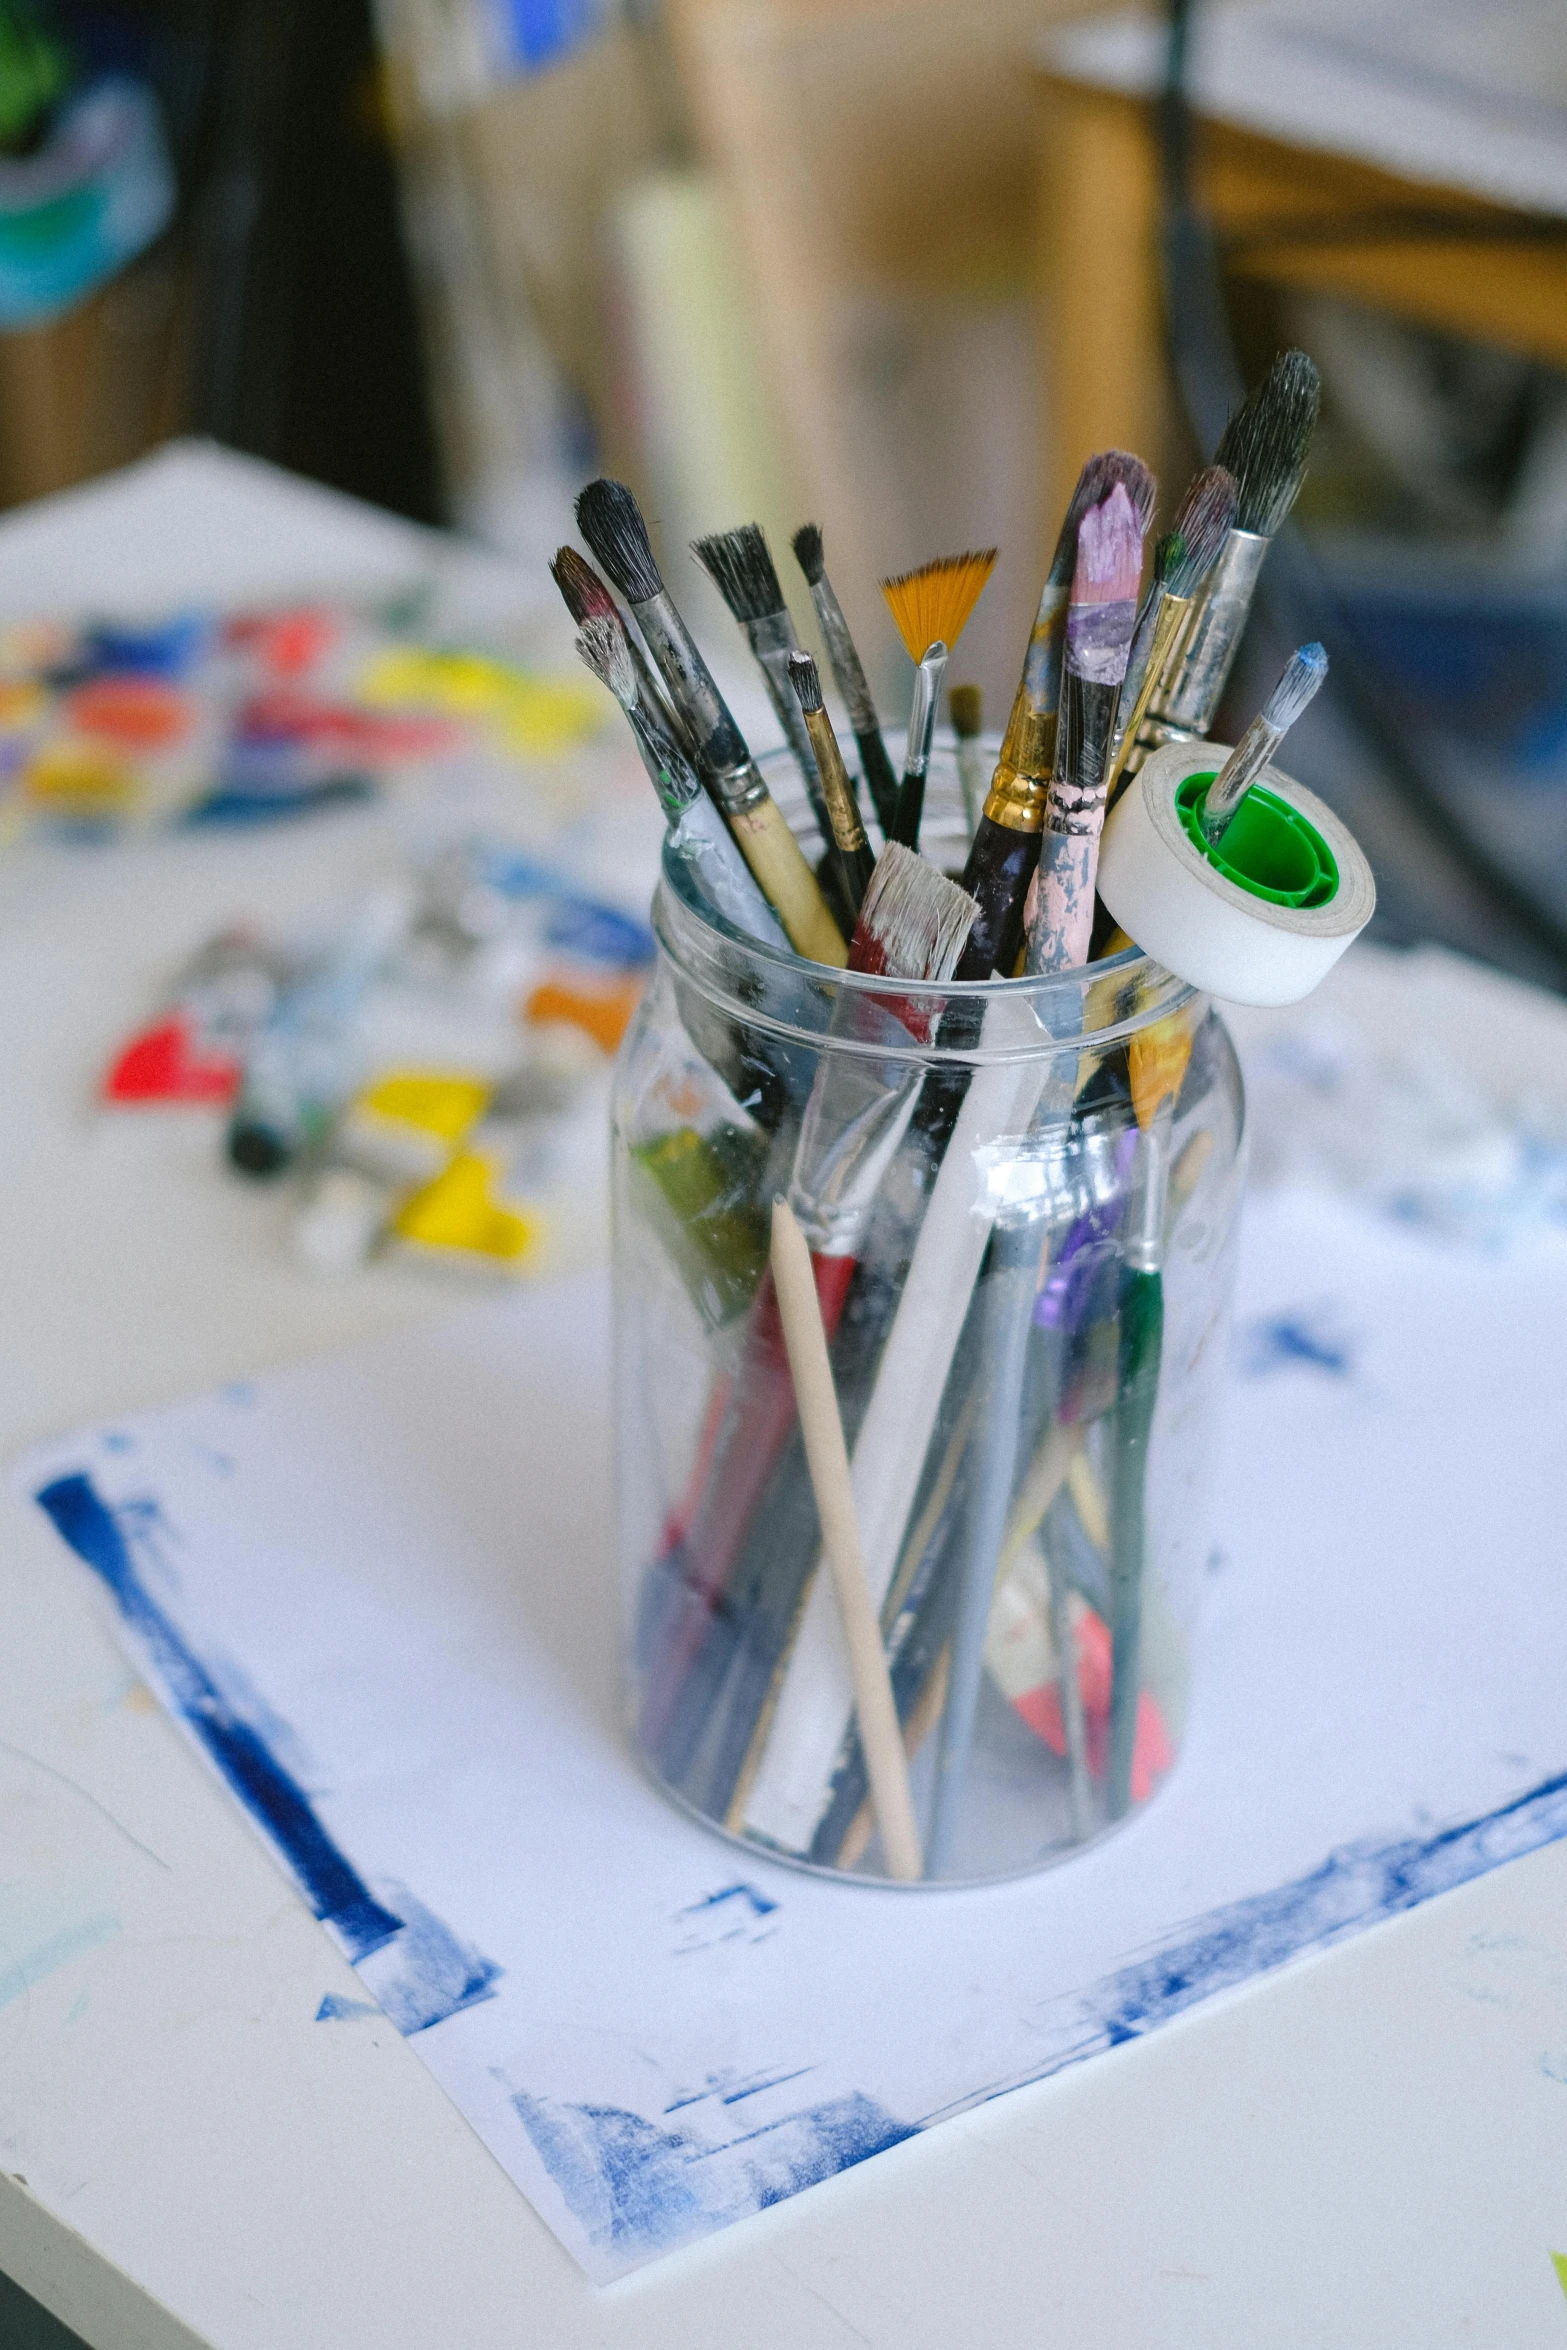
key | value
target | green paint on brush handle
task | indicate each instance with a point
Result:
(1142, 1338)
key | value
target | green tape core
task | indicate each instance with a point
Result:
(1270, 850)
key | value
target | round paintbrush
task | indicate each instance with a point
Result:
(856, 863)
(741, 567)
(587, 598)
(847, 668)
(1182, 562)
(1303, 674)
(611, 522)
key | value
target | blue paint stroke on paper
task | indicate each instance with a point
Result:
(736, 1913)
(637, 2187)
(1357, 1886)
(19, 1974)
(335, 1891)
(335, 2009)
(427, 1973)
(1304, 1339)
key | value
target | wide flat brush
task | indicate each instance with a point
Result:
(931, 607)
(1265, 445)
(587, 598)
(912, 925)
(698, 835)
(1100, 621)
(848, 670)
(1182, 561)
(611, 522)
(856, 862)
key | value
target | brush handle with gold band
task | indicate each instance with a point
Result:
(772, 640)
(856, 862)
(880, 778)
(1128, 752)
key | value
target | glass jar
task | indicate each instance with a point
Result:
(1021, 1199)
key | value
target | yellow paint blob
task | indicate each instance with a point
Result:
(88, 777)
(444, 1106)
(459, 1212)
(529, 713)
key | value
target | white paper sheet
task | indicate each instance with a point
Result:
(377, 1592)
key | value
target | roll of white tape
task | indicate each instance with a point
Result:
(1263, 922)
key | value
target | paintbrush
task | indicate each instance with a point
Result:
(1137, 1392)
(741, 568)
(1182, 561)
(587, 598)
(1005, 848)
(931, 607)
(698, 835)
(912, 925)
(1265, 445)
(611, 522)
(846, 833)
(827, 1456)
(875, 766)
(1303, 674)
(966, 705)
(1100, 620)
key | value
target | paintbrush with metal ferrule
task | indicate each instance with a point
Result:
(611, 522)
(911, 926)
(1265, 445)
(698, 835)
(1303, 674)
(1131, 1424)
(931, 607)
(856, 861)
(1182, 562)
(741, 567)
(849, 672)
(587, 598)
(1100, 620)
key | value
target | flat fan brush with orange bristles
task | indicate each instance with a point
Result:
(931, 607)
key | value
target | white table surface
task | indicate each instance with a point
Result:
(1365, 2150)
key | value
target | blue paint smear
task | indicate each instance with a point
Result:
(428, 1973)
(336, 2009)
(1355, 1887)
(758, 1903)
(637, 2188)
(1287, 1341)
(335, 1891)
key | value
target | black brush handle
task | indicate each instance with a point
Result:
(881, 779)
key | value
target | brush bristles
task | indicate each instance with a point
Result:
(917, 919)
(1203, 521)
(602, 645)
(967, 709)
(931, 606)
(806, 682)
(582, 591)
(1109, 552)
(1303, 673)
(1268, 439)
(1094, 484)
(610, 519)
(1140, 485)
(807, 544)
(741, 568)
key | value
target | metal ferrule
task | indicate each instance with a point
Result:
(1236, 777)
(847, 831)
(718, 743)
(1145, 1231)
(772, 640)
(846, 666)
(1187, 701)
(1017, 797)
(1144, 637)
(922, 718)
(672, 775)
(1127, 750)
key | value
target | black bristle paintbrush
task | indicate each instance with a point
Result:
(1005, 850)
(931, 607)
(1182, 561)
(740, 566)
(847, 668)
(587, 598)
(611, 522)
(856, 863)
(1265, 446)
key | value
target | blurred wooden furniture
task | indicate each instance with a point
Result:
(95, 387)
(1427, 245)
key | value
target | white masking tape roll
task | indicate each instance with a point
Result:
(1268, 920)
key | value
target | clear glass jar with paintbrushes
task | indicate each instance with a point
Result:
(921, 1288)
